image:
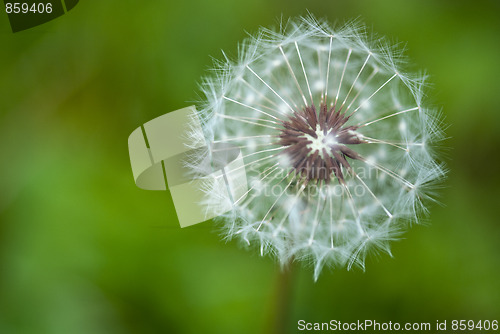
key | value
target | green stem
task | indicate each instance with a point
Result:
(282, 301)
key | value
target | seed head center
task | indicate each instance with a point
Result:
(316, 143)
(321, 141)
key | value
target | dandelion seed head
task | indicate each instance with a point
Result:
(337, 144)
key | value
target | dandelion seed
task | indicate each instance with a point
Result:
(332, 131)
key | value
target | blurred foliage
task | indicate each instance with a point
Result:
(82, 250)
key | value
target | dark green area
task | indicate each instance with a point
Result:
(36, 13)
(83, 250)
(70, 4)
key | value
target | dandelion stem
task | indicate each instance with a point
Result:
(280, 321)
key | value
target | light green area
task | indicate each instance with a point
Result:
(83, 250)
(159, 151)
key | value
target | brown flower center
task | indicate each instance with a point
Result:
(316, 143)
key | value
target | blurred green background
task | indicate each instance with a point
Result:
(83, 250)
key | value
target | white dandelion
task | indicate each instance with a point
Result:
(336, 143)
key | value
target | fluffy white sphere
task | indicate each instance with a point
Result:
(336, 143)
